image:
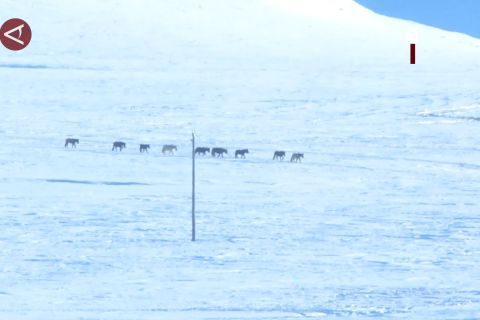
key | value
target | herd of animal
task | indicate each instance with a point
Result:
(215, 152)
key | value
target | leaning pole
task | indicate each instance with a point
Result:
(193, 186)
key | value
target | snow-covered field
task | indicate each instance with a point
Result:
(381, 219)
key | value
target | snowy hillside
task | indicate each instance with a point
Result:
(380, 220)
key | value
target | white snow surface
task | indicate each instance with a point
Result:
(380, 220)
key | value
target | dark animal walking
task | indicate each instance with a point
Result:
(144, 147)
(280, 155)
(241, 153)
(219, 152)
(170, 148)
(296, 157)
(71, 141)
(119, 145)
(201, 150)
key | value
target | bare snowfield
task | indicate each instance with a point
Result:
(379, 221)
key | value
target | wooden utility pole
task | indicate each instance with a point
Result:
(193, 186)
